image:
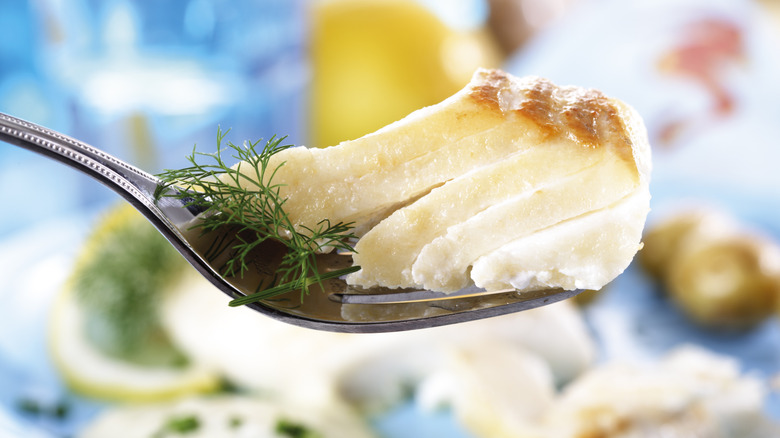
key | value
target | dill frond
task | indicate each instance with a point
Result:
(246, 199)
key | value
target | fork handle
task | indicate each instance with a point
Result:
(135, 185)
(131, 183)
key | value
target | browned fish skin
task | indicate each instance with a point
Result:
(585, 116)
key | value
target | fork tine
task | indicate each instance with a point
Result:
(378, 313)
(406, 296)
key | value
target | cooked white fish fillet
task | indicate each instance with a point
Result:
(464, 182)
(584, 252)
(496, 390)
(690, 393)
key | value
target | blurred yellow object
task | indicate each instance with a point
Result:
(375, 62)
(106, 338)
(589, 296)
(719, 273)
(726, 282)
(772, 7)
(89, 372)
(663, 241)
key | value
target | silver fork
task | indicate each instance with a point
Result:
(333, 306)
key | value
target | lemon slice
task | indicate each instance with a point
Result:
(90, 372)
(375, 62)
(106, 337)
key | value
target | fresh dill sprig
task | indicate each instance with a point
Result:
(246, 200)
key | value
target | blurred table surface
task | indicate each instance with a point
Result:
(607, 44)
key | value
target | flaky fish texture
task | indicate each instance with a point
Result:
(510, 183)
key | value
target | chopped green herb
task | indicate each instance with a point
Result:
(58, 410)
(61, 410)
(235, 422)
(179, 425)
(30, 406)
(294, 429)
